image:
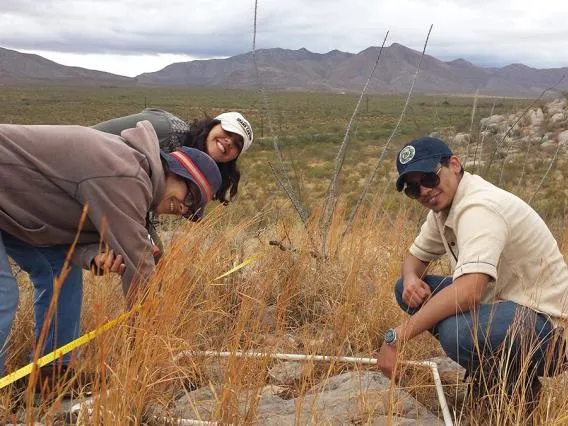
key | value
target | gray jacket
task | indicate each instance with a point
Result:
(49, 173)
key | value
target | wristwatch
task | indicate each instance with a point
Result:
(390, 336)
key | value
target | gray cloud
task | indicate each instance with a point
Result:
(483, 30)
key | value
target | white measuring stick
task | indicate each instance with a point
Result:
(183, 422)
(327, 358)
(88, 403)
(439, 389)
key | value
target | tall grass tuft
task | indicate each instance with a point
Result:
(287, 300)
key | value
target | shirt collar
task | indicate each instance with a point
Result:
(448, 219)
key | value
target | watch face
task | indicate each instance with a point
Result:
(390, 336)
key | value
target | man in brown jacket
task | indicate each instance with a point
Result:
(49, 174)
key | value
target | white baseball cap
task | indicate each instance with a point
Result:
(234, 122)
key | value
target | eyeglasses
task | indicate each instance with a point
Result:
(427, 180)
(192, 199)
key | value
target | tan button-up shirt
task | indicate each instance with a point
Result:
(491, 231)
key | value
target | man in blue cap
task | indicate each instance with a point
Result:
(500, 313)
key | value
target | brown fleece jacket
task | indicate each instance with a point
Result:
(48, 173)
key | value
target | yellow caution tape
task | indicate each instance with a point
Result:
(85, 338)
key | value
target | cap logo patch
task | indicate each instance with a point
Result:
(407, 154)
(245, 127)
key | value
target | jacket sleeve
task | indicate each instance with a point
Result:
(84, 254)
(117, 206)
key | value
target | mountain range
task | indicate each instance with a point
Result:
(302, 70)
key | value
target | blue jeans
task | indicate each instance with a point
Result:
(9, 294)
(44, 264)
(479, 340)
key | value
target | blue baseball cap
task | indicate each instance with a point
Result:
(420, 155)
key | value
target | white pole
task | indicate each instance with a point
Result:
(184, 422)
(326, 358)
(439, 389)
(87, 405)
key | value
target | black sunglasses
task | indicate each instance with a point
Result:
(427, 180)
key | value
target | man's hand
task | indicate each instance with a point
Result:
(415, 292)
(386, 360)
(109, 262)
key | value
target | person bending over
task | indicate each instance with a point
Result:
(50, 173)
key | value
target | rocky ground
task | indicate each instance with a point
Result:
(545, 125)
(353, 397)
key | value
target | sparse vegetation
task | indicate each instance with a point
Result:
(291, 299)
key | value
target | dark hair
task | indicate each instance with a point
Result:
(230, 174)
(445, 161)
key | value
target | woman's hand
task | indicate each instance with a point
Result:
(109, 262)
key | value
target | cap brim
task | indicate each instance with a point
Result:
(427, 165)
(176, 168)
(229, 127)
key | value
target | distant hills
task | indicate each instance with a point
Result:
(23, 68)
(302, 70)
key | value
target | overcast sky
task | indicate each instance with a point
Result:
(129, 37)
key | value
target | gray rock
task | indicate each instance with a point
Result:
(460, 139)
(549, 146)
(286, 373)
(199, 404)
(563, 137)
(345, 399)
(448, 367)
(536, 117)
(558, 105)
(352, 397)
(558, 117)
(493, 123)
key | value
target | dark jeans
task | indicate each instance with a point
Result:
(501, 341)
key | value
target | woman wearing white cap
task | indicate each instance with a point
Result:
(224, 138)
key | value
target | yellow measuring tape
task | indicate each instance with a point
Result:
(239, 266)
(57, 353)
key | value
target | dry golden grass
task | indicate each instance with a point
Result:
(291, 300)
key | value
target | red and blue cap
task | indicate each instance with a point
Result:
(420, 155)
(195, 166)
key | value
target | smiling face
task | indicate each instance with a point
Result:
(181, 197)
(223, 146)
(439, 198)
